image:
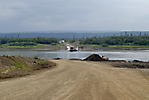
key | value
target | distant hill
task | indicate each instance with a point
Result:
(73, 34)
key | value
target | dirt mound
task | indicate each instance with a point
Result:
(14, 66)
(94, 57)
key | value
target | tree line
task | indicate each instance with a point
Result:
(117, 40)
(27, 41)
(105, 41)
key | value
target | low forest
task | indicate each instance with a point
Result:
(28, 41)
(117, 40)
(102, 41)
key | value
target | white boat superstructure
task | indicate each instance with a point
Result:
(68, 47)
(71, 48)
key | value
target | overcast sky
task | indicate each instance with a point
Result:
(44, 15)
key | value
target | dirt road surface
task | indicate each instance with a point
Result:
(78, 80)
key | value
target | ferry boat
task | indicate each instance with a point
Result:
(71, 48)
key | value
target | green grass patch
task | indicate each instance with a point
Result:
(94, 45)
(42, 62)
(35, 57)
(5, 56)
(31, 46)
(128, 45)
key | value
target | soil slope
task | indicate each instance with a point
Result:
(79, 80)
(17, 66)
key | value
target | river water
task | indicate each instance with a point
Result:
(128, 55)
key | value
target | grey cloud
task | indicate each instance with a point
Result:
(40, 15)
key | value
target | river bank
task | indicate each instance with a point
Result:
(93, 48)
(62, 46)
(17, 66)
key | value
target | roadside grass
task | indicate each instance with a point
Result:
(42, 62)
(19, 65)
(12, 66)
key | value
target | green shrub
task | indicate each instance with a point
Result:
(53, 43)
(5, 56)
(104, 45)
(35, 57)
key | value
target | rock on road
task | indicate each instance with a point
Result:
(78, 80)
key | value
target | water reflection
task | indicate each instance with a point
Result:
(112, 55)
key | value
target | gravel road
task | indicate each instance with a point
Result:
(78, 80)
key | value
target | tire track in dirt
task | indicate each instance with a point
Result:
(78, 80)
